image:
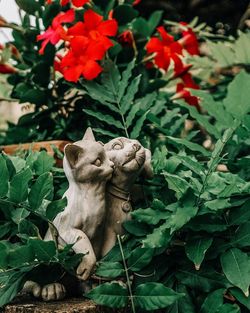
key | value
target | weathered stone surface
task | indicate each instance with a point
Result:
(23, 305)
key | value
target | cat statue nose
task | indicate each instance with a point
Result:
(136, 146)
(112, 164)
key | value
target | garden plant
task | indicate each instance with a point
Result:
(184, 93)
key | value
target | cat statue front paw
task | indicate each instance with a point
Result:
(86, 267)
(52, 292)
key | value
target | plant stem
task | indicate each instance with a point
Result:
(127, 275)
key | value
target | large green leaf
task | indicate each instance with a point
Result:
(4, 177)
(242, 236)
(239, 295)
(236, 267)
(153, 296)
(213, 301)
(196, 249)
(43, 163)
(19, 214)
(40, 190)
(229, 308)
(19, 256)
(44, 250)
(237, 100)
(240, 215)
(150, 216)
(110, 269)
(140, 258)
(19, 185)
(184, 304)
(176, 183)
(113, 295)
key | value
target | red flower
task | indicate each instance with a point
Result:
(76, 3)
(81, 60)
(95, 28)
(136, 2)
(165, 49)
(126, 38)
(56, 32)
(7, 69)
(189, 41)
(183, 92)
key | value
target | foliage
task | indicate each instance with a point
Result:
(186, 248)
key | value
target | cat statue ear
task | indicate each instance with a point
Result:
(147, 170)
(89, 135)
(72, 153)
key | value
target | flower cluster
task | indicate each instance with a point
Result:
(85, 43)
(166, 50)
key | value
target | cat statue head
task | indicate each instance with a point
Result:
(130, 159)
(86, 161)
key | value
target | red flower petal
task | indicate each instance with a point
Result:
(92, 19)
(67, 17)
(79, 3)
(91, 70)
(73, 73)
(166, 38)
(108, 28)
(154, 45)
(78, 29)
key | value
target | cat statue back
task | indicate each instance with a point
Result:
(130, 159)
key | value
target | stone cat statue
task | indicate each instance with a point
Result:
(130, 159)
(87, 169)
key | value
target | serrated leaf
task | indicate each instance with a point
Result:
(4, 177)
(213, 302)
(40, 190)
(43, 163)
(176, 183)
(236, 266)
(104, 118)
(140, 258)
(126, 75)
(127, 100)
(153, 296)
(113, 295)
(196, 249)
(19, 185)
(110, 269)
(138, 126)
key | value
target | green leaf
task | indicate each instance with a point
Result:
(127, 100)
(19, 214)
(44, 250)
(229, 308)
(5, 228)
(138, 126)
(217, 204)
(239, 295)
(205, 280)
(160, 237)
(236, 266)
(43, 163)
(188, 144)
(34, 96)
(19, 256)
(19, 185)
(113, 295)
(40, 190)
(29, 6)
(104, 118)
(124, 14)
(17, 162)
(150, 216)
(242, 236)
(209, 223)
(4, 177)
(110, 269)
(237, 100)
(140, 258)
(153, 296)
(154, 20)
(196, 249)
(213, 301)
(55, 207)
(184, 304)
(126, 75)
(176, 183)
(240, 215)
(10, 285)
